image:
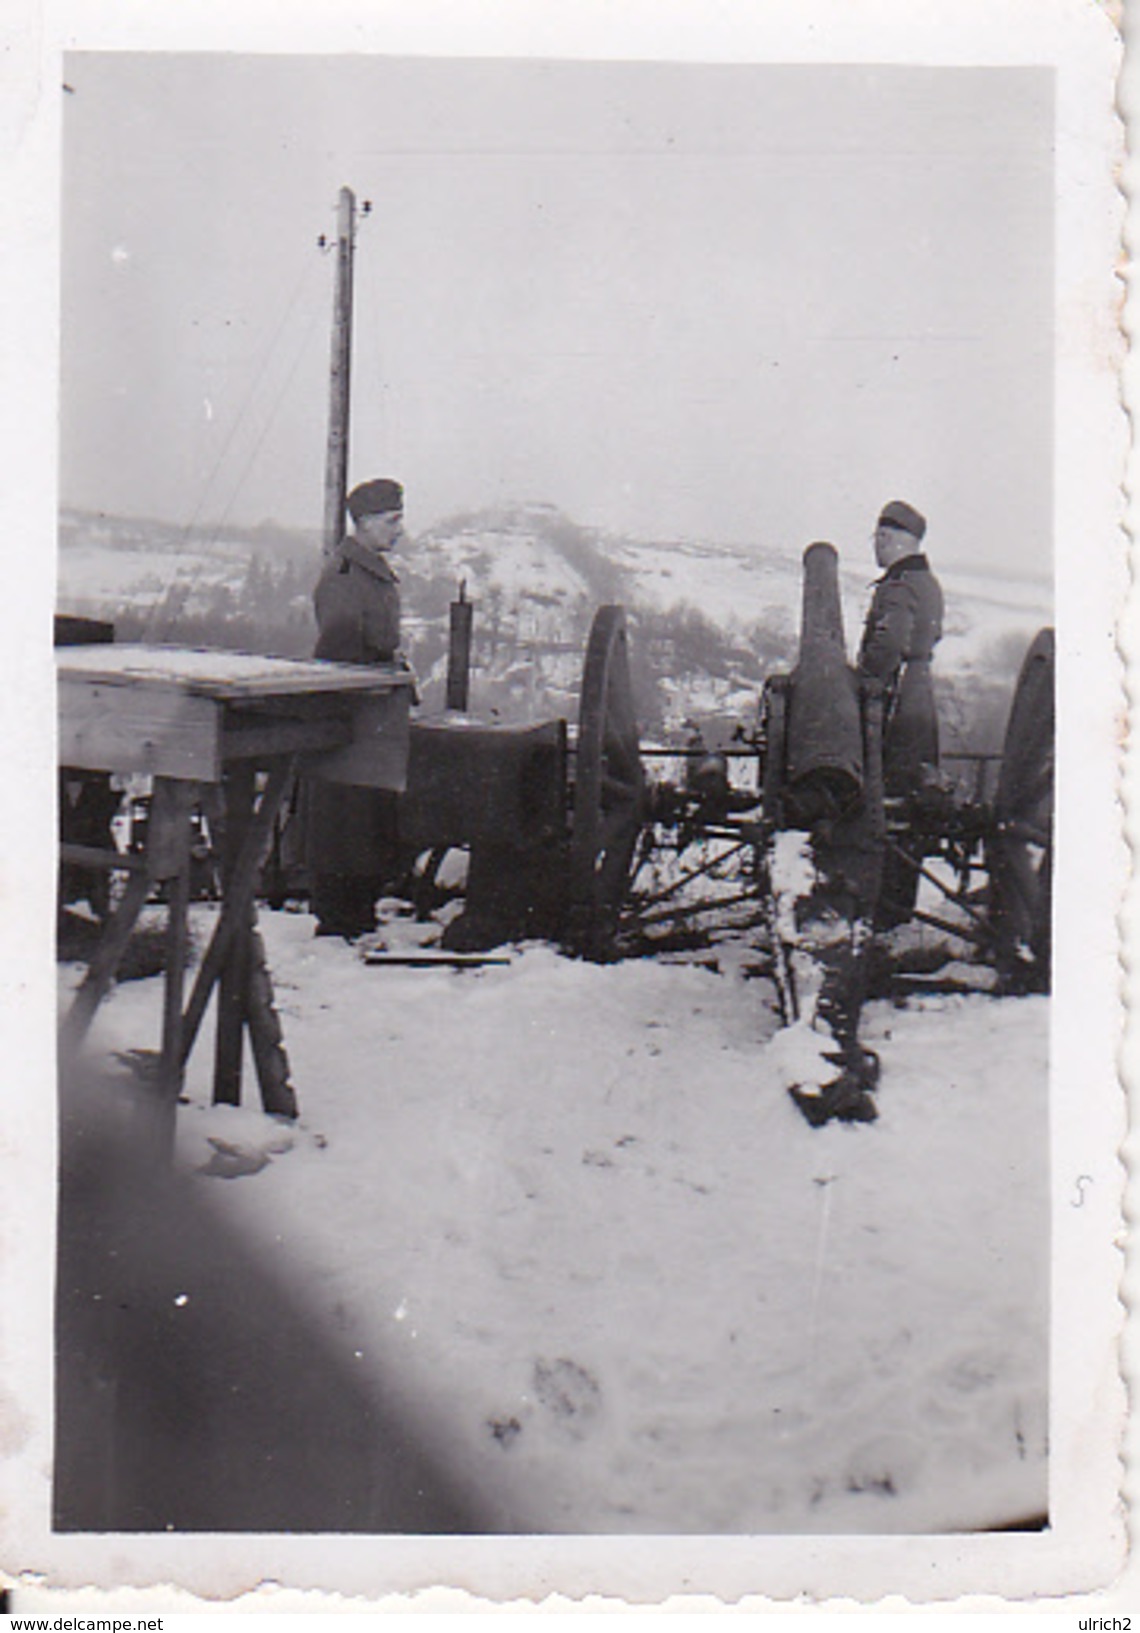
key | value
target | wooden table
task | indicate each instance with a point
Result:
(246, 725)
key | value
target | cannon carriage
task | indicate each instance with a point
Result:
(578, 832)
(977, 831)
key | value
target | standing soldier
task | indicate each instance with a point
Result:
(903, 627)
(351, 831)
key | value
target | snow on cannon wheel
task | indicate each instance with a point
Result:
(1019, 853)
(608, 794)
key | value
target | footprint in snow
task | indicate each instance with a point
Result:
(504, 1430)
(886, 1465)
(569, 1394)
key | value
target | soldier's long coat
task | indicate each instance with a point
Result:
(350, 831)
(904, 624)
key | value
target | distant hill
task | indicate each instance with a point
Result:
(708, 621)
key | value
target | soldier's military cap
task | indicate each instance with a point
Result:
(903, 516)
(374, 498)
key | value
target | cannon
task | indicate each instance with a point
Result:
(824, 753)
(558, 818)
(811, 763)
(578, 833)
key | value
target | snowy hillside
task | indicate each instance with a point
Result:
(738, 589)
(708, 620)
(107, 560)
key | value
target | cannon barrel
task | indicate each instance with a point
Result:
(824, 769)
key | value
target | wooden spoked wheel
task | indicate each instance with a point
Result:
(608, 789)
(1020, 853)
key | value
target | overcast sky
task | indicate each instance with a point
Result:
(725, 303)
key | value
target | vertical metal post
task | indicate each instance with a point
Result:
(340, 366)
(459, 652)
(775, 749)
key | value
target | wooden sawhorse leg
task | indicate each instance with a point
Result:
(168, 852)
(235, 959)
(233, 977)
(105, 961)
(166, 861)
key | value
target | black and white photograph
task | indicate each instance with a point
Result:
(583, 596)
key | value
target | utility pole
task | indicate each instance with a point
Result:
(336, 459)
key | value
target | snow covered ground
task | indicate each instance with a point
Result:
(568, 1218)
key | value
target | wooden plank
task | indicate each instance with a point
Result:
(168, 827)
(377, 757)
(271, 739)
(226, 676)
(154, 728)
(435, 958)
(95, 856)
(310, 679)
(914, 981)
(963, 932)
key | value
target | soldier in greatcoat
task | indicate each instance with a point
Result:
(352, 831)
(904, 625)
